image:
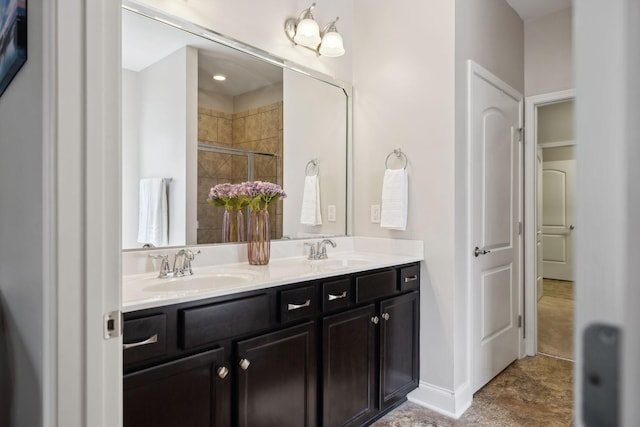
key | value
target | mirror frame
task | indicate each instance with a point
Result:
(198, 30)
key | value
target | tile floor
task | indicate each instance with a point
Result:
(534, 391)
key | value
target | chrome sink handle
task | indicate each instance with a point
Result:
(312, 250)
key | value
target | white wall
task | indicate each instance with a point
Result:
(261, 24)
(164, 142)
(548, 57)
(555, 122)
(490, 33)
(404, 97)
(25, 211)
(130, 157)
(266, 95)
(317, 136)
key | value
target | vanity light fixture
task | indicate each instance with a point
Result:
(219, 77)
(304, 31)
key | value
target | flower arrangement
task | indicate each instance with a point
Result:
(258, 195)
(255, 194)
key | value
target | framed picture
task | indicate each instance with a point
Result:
(13, 39)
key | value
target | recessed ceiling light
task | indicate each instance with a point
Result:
(219, 77)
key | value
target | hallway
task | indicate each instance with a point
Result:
(534, 391)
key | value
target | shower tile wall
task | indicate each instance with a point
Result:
(258, 129)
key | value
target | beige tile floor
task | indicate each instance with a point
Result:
(555, 319)
(534, 391)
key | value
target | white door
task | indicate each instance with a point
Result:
(558, 183)
(495, 176)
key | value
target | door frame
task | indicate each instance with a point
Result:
(530, 215)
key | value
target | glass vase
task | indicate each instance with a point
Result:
(258, 237)
(232, 225)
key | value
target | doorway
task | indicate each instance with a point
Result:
(556, 165)
(549, 224)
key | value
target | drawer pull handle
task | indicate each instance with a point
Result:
(222, 372)
(291, 307)
(411, 278)
(244, 364)
(375, 320)
(150, 340)
(332, 297)
(385, 316)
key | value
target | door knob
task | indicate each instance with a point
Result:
(571, 227)
(244, 364)
(222, 372)
(477, 251)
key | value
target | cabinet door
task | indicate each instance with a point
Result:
(399, 334)
(349, 367)
(277, 379)
(180, 393)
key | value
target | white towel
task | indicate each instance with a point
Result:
(153, 221)
(310, 213)
(395, 198)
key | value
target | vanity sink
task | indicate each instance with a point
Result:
(342, 263)
(200, 282)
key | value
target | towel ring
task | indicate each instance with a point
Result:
(313, 164)
(399, 154)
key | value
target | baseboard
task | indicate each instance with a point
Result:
(445, 402)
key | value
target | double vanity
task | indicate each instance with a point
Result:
(299, 342)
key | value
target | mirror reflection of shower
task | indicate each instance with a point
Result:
(218, 165)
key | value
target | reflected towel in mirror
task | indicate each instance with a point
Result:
(310, 214)
(395, 198)
(153, 218)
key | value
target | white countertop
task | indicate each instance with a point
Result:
(142, 290)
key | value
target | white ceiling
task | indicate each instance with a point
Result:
(145, 41)
(528, 9)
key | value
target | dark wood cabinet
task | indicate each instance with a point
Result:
(184, 392)
(277, 379)
(335, 352)
(399, 341)
(349, 367)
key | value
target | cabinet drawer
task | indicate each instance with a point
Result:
(203, 325)
(297, 303)
(144, 338)
(336, 294)
(410, 278)
(376, 285)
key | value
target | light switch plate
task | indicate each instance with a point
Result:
(375, 214)
(331, 213)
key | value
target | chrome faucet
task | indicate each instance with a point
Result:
(181, 264)
(318, 250)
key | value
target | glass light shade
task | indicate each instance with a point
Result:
(307, 33)
(332, 45)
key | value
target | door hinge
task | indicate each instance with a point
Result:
(113, 324)
(519, 228)
(520, 134)
(519, 321)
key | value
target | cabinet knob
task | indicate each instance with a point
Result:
(244, 364)
(222, 372)
(385, 316)
(375, 320)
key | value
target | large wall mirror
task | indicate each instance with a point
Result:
(200, 110)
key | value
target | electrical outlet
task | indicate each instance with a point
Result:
(375, 214)
(331, 213)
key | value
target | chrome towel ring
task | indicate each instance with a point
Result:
(400, 155)
(311, 166)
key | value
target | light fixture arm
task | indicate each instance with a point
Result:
(331, 26)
